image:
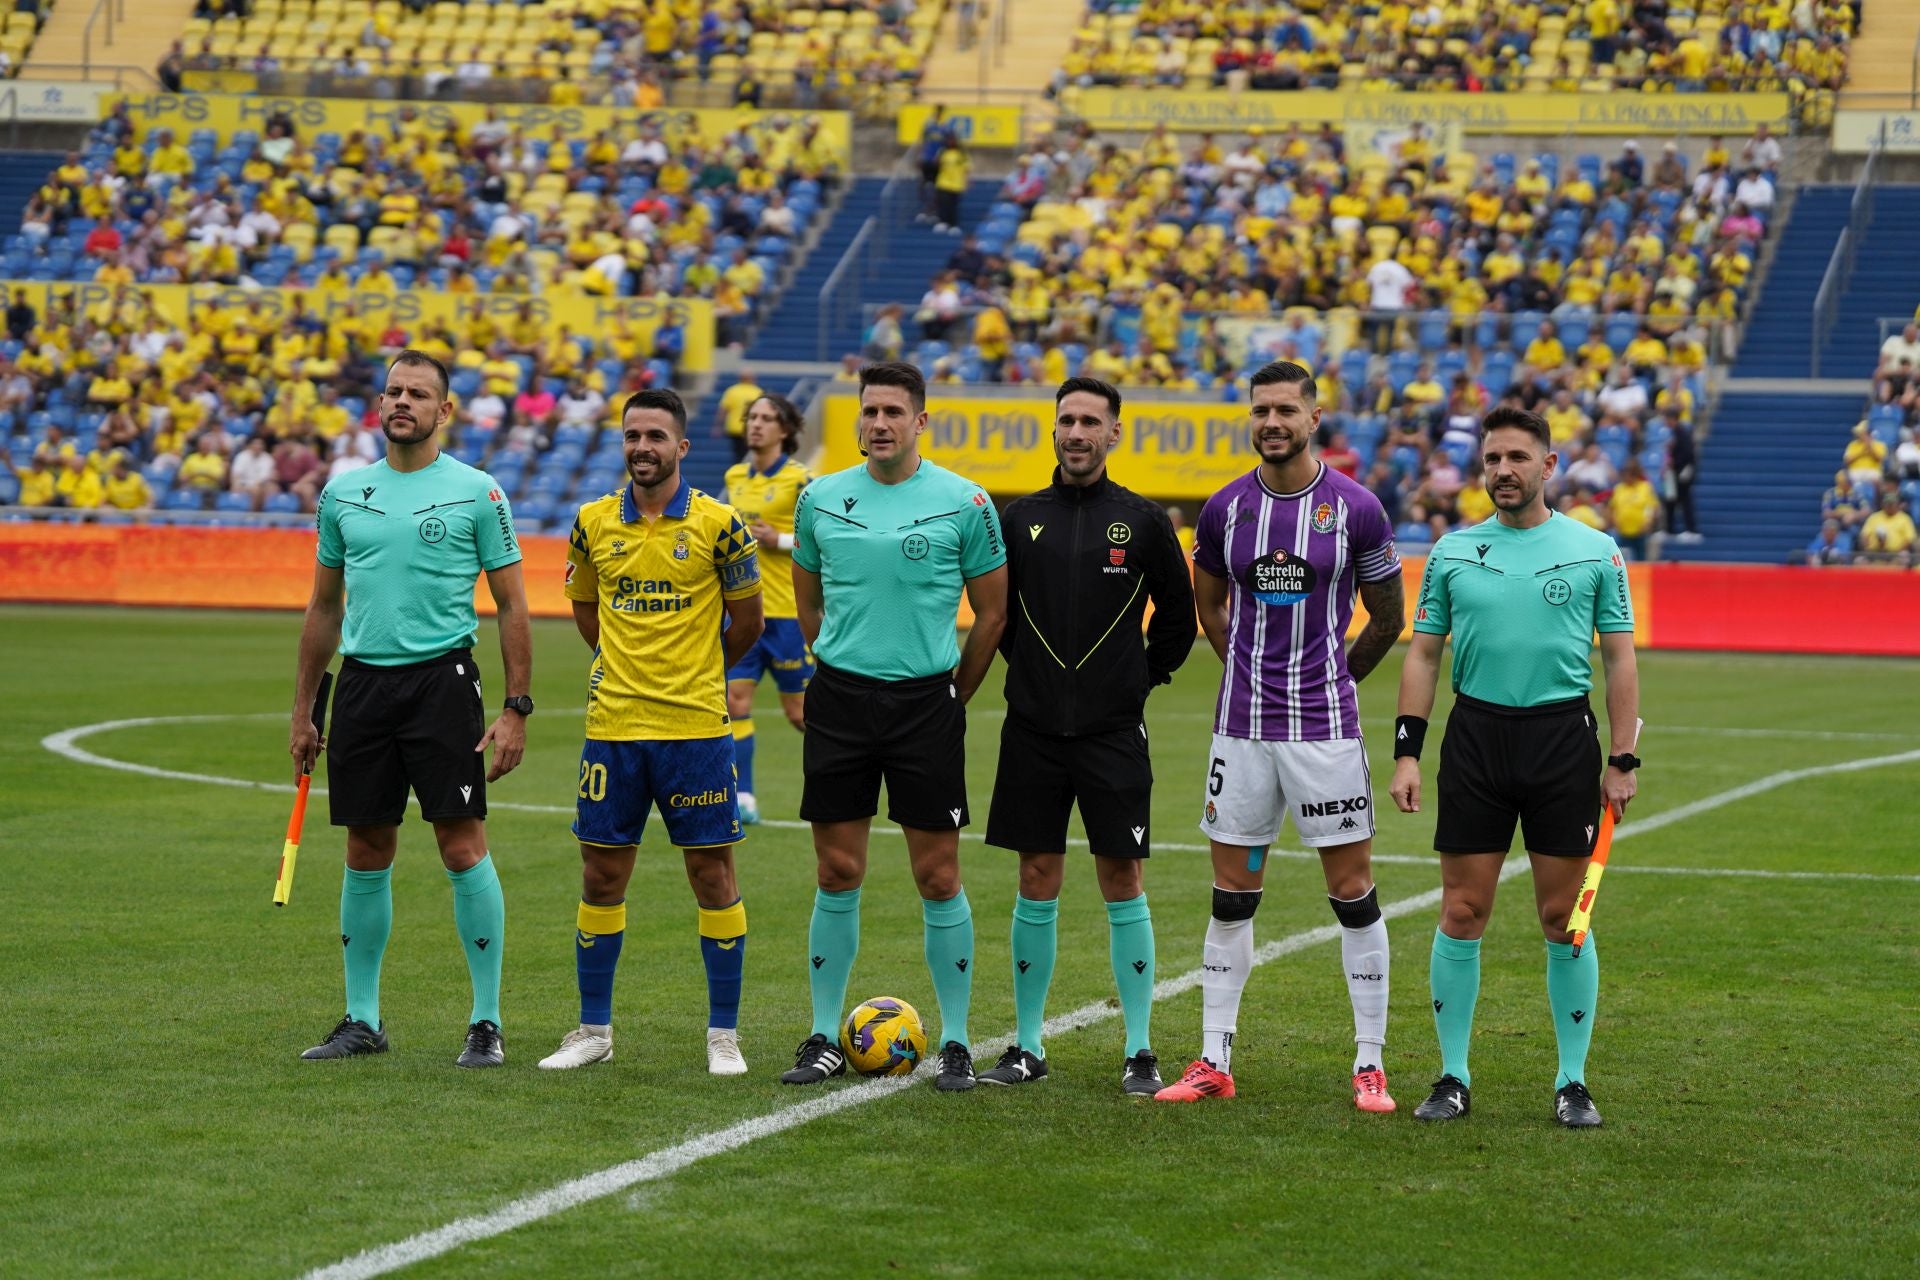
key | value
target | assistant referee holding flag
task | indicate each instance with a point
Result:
(1084, 558)
(401, 543)
(1522, 595)
(880, 554)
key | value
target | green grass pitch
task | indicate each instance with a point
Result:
(1754, 1041)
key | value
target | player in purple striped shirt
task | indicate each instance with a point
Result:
(1278, 554)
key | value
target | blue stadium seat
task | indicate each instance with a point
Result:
(283, 504)
(185, 500)
(233, 502)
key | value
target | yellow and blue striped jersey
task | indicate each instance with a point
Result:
(658, 674)
(770, 495)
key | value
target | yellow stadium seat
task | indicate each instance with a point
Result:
(831, 20)
(380, 240)
(344, 237)
(223, 44)
(300, 238)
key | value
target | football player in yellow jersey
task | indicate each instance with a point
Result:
(764, 489)
(652, 570)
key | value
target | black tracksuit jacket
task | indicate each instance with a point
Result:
(1082, 564)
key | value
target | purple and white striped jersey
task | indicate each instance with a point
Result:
(1291, 561)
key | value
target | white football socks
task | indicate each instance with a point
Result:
(1225, 960)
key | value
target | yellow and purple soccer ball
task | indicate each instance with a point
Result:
(884, 1037)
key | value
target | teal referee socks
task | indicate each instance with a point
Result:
(480, 914)
(1130, 947)
(366, 920)
(1573, 988)
(1455, 978)
(833, 939)
(1035, 945)
(949, 941)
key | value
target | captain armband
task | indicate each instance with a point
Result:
(1409, 736)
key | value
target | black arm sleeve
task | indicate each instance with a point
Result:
(1170, 633)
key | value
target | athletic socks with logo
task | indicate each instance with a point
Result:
(480, 914)
(949, 940)
(1454, 976)
(1035, 943)
(599, 931)
(366, 920)
(743, 753)
(833, 939)
(1573, 988)
(1224, 961)
(723, 949)
(1130, 947)
(1363, 959)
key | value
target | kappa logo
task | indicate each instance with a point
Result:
(1033, 531)
(466, 793)
(1578, 1014)
(1483, 548)
(848, 503)
(1139, 833)
(956, 816)
(482, 943)
(1348, 824)
(818, 961)
(1139, 966)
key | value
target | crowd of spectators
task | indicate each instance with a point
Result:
(486, 209)
(623, 53)
(1866, 514)
(1794, 46)
(237, 410)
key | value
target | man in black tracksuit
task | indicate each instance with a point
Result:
(1084, 558)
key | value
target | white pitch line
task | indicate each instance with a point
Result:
(670, 1160)
(660, 1164)
(66, 743)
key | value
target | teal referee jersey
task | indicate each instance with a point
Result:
(892, 560)
(1523, 606)
(412, 543)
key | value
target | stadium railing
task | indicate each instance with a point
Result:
(1826, 301)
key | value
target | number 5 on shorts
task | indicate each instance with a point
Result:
(593, 781)
(1215, 779)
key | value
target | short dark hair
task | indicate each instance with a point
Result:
(897, 373)
(783, 409)
(1520, 420)
(420, 359)
(1092, 386)
(659, 398)
(1286, 371)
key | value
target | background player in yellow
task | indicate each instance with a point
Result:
(651, 571)
(764, 489)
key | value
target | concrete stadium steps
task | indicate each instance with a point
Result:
(915, 254)
(1885, 282)
(1762, 472)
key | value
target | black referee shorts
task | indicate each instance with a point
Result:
(1041, 776)
(411, 726)
(1539, 765)
(912, 734)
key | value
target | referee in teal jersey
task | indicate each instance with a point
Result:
(881, 553)
(401, 543)
(1522, 594)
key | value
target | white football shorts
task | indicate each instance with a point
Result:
(1252, 786)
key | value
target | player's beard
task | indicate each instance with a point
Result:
(662, 470)
(1281, 453)
(1081, 465)
(408, 430)
(1518, 498)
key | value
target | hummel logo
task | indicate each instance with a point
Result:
(1023, 965)
(818, 961)
(848, 503)
(1483, 548)
(466, 793)
(1139, 966)
(1138, 834)
(584, 939)
(1438, 1005)
(366, 495)
(1578, 1014)
(1033, 531)
(961, 965)
(956, 816)
(482, 943)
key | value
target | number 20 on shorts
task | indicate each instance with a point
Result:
(593, 781)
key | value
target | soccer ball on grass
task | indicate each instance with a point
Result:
(884, 1037)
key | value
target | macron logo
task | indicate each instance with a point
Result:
(1138, 834)
(956, 816)
(466, 793)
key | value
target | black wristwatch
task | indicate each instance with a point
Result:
(1625, 762)
(523, 704)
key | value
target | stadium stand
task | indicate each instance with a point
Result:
(23, 22)
(1600, 46)
(625, 54)
(1866, 514)
(488, 208)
